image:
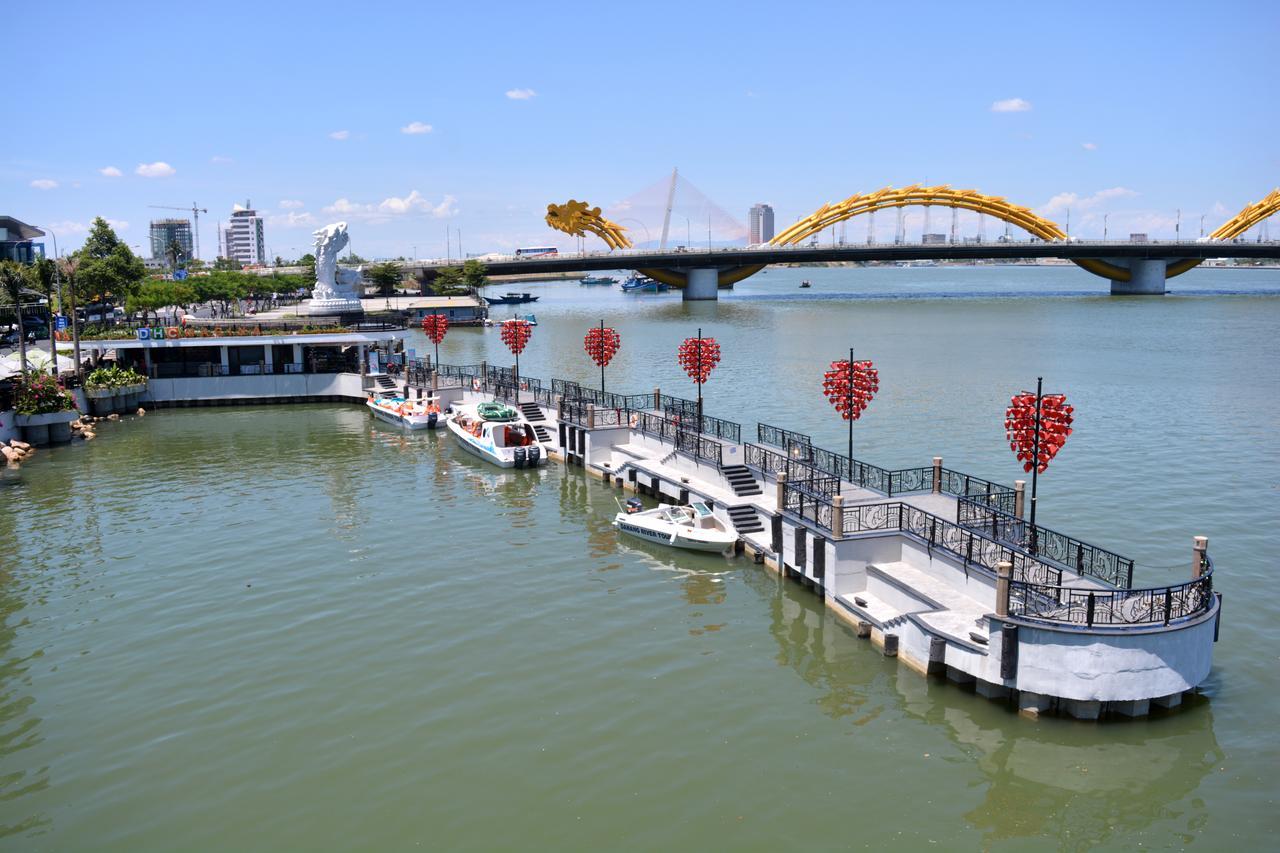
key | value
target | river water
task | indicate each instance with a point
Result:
(293, 628)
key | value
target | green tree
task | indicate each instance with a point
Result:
(308, 262)
(13, 281)
(227, 265)
(42, 277)
(175, 254)
(352, 259)
(473, 274)
(155, 294)
(385, 277)
(449, 282)
(108, 269)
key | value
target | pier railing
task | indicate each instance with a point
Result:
(1090, 607)
(779, 437)
(686, 440)
(1081, 557)
(607, 399)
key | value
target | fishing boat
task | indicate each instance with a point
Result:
(693, 527)
(643, 284)
(805, 284)
(597, 279)
(496, 433)
(511, 299)
(410, 414)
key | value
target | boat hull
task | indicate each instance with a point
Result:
(409, 422)
(493, 456)
(673, 538)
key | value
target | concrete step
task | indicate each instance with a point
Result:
(745, 519)
(532, 412)
(541, 432)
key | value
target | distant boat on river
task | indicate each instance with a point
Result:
(511, 299)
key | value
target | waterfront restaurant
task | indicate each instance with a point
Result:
(248, 362)
(460, 310)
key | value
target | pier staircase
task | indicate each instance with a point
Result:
(384, 384)
(741, 480)
(745, 519)
(533, 414)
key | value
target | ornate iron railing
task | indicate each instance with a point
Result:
(699, 446)
(853, 471)
(810, 500)
(779, 437)
(1089, 607)
(1081, 557)
(589, 415)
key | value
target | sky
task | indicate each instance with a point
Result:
(418, 121)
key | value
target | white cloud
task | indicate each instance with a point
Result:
(218, 158)
(1011, 105)
(44, 183)
(118, 224)
(110, 172)
(1219, 209)
(158, 169)
(291, 204)
(1063, 201)
(340, 134)
(67, 226)
(292, 219)
(521, 94)
(1089, 146)
(416, 127)
(394, 206)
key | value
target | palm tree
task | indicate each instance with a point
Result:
(175, 253)
(13, 280)
(43, 275)
(70, 267)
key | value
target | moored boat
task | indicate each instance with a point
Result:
(643, 284)
(511, 299)
(693, 527)
(597, 279)
(496, 433)
(410, 414)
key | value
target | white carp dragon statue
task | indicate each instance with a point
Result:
(336, 290)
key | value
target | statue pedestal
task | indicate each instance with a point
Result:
(338, 305)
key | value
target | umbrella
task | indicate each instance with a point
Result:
(37, 359)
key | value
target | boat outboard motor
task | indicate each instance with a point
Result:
(535, 453)
(431, 420)
(520, 457)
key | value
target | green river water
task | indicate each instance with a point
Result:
(293, 628)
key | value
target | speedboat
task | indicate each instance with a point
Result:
(693, 527)
(496, 433)
(805, 283)
(410, 414)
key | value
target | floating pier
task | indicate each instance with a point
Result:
(934, 566)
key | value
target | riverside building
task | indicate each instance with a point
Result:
(166, 232)
(759, 224)
(243, 239)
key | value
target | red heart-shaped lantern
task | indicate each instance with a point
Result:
(516, 334)
(698, 357)
(435, 326)
(850, 389)
(1020, 428)
(602, 344)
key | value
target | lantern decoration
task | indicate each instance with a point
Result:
(435, 326)
(516, 334)
(601, 345)
(1037, 426)
(699, 356)
(849, 386)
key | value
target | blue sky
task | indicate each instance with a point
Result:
(1129, 109)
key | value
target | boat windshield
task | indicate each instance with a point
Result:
(680, 515)
(700, 509)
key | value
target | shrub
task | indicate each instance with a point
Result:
(113, 377)
(40, 394)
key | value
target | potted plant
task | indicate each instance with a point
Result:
(114, 388)
(44, 408)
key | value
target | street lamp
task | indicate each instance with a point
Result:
(1202, 226)
(1104, 226)
(1177, 226)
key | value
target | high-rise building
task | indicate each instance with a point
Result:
(243, 239)
(759, 224)
(165, 232)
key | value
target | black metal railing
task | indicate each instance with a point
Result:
(1089, 607)
(853, 471)
(713, 427)
(1080, 557)
(779, 437)
(686, 440)
(583, 414)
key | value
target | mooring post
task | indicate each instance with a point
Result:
(937, 475)
(1004, 570)
(780, 497)
(837, 517)
(1019, 497)
(1199, 546)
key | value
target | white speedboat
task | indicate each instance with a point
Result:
(693, 527)
(410, 414)
(496, 433)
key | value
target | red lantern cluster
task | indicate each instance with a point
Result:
(1020, 428)
(435, 325)
(516, 334)
(698, 357)
(602, 344)
(851, 394)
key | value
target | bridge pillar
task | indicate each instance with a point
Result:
(704, 284)
(1147, 277)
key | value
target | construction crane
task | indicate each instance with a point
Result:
(195, 211)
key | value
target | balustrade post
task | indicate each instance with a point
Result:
(1199, 546)
(1019, 497)
(591, 415)
(780, 497)
(837, 517)
(657, 399)
(937, 475)
(484, 375)
(560, 407)
(1004, 569)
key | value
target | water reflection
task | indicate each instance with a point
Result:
(1081, 783)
